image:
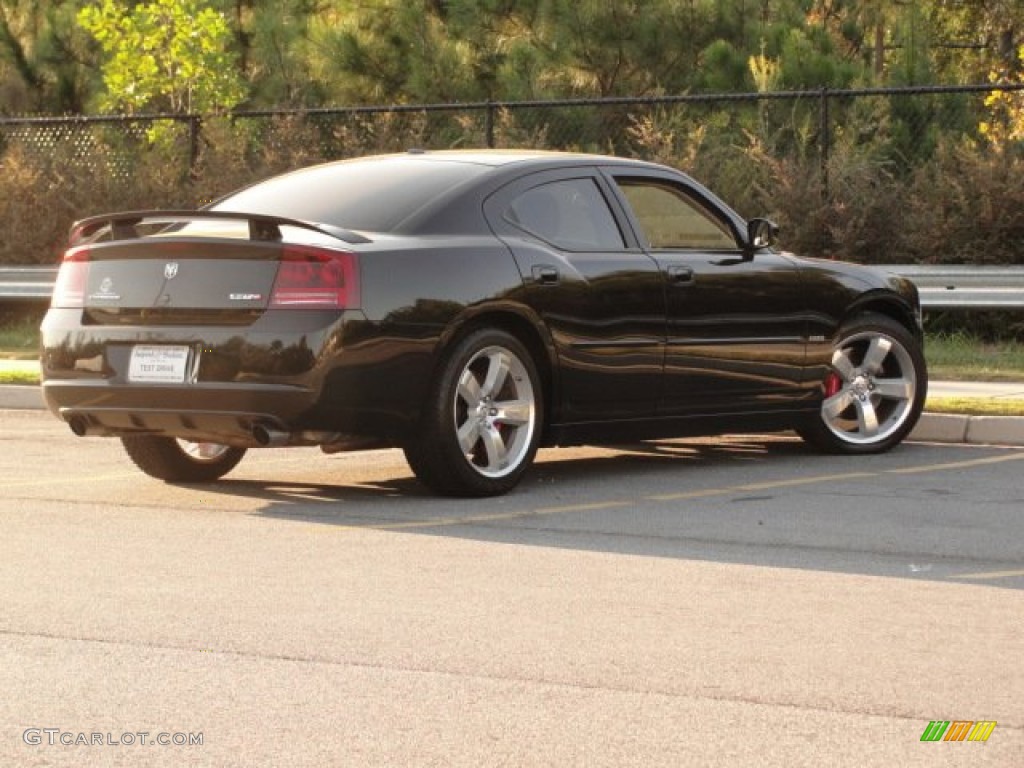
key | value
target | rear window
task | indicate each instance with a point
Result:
(374, 195)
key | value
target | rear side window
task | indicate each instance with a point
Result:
(670, 219)
(571, 214)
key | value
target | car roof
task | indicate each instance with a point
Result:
(388, 193)
(500, 157)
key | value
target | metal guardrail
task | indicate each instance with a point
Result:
(964, 287)
(941, 287)
(27, 283)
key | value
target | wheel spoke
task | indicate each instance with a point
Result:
(469, 434)
(894, 389)
(498, 365)
(867, 418)
(878, 350)
(835, 405)
(841, 363)
(495, 447)
(469, 389)
(514, 413)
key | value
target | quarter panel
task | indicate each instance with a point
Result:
(414, 290)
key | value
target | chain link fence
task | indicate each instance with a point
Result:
(878, 175)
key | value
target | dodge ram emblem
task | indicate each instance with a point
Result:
(170, 270)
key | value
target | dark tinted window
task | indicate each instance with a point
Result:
(671, 219)
(375, 195)
(570, 214)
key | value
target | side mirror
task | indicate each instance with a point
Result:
(761, 233)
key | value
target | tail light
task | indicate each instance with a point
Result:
(72, 277)
(316, 278)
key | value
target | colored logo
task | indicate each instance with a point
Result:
(958, 730)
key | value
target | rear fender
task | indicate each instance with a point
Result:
(521, 322)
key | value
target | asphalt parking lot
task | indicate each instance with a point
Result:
(700, 602)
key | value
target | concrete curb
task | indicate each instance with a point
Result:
(998, 430)
(971, 430)
(941, 428)
(21, 397)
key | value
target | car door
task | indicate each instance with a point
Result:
(600, 295)
(736, 319)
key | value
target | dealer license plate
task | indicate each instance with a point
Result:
(158, 364)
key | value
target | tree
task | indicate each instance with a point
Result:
(165, 55)
(44, 63)
(1006, 124)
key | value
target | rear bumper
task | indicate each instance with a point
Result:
(239, 416)
(312, 375)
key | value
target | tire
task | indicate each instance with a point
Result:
(482, 421)
(874, 390)
(181, 461)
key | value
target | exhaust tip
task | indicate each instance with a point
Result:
(78, 425)
(266, 435)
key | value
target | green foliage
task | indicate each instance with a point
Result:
(44, 59)
(164, 56)
(207, 55)
(1004, 126)
(996, 353)
(808, 61)
(19, 331)
(725, 69)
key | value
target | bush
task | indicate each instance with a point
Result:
(42, 195)
(967, 207)
(963, 204)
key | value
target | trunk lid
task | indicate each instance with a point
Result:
(203, 268)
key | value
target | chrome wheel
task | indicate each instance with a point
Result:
(495, 412)
(176, 460)
(203, 452)
(871, 389)
(482, 418)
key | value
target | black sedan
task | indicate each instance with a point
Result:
(467, 307)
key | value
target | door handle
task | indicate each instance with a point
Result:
(544, 274)
(679, 275)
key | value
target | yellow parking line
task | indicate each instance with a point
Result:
(67, 480)
(439, 522)
(601, 505)
(684, 495)
(1016, 456)
(803, 481)
(590, 507)
(990, 575)
(122, 475)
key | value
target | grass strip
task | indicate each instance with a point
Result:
(975, 406)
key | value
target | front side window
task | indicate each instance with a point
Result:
(571, 214)
(670, 219)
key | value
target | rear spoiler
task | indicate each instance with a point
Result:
(124, 226)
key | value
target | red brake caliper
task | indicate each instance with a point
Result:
(833, 383)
